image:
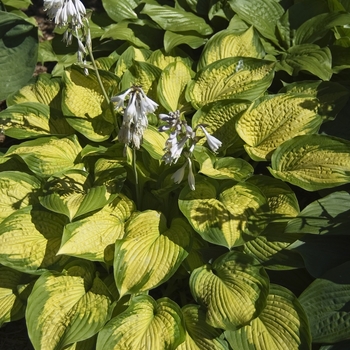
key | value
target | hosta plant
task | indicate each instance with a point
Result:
(180, 179)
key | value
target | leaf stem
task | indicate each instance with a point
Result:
(137, 188)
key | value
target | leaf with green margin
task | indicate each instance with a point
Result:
(48, 155)
(63, 309)
(233, 289)
(172, 84)
(326, 303)
(331, 96)
(17, 190)
(11, 306)
(316, 28)
(150, 252)
(230, 43)
(307, 57)
(172, 40)
(146, 324)
(30, 239)
(84, 105)
(312, 162)
(229, 78)
(19, 52)
(199, 334)
(154, 142)
(274, 119)
(262, 14)
(229, 218)
(220, 119)
(271, 246)
(176, 19)
(122, 9)
(161, 58)
(283, 324)
(88, 238)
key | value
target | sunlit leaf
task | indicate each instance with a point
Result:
(233, 289)
(146, 324)
(154, 142)
(172, 40)
(161, 58)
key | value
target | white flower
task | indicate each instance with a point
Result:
(120, 99)
(213, 142)
(190, 177)
(179, 174)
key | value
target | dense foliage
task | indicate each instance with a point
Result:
(223, 221)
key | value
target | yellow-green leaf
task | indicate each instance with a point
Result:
(229, 218)
(228, 78)
(150, 252)
(275, 119)
(313, 162)
(233, 289)
(161, 59)
(229, 43)
(89, 237)
(154, 142)
(282, 325)
(146, 324)
(63, 309)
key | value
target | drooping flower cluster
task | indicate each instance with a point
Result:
(135, 120)
(70, 14)
(181, 141)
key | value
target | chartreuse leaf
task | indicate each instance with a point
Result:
(307, 57)
(146, 324)
(176, 19)
(11, 306)
(161, 58)
(16, 191)
(88, 237)
(154, 142)
(326, 303)
(220, 119)
(84, 105)
(199, 334)
(230, 43)
(262, 14)
(273, 119)
(233, 289)
(64, 308)
(172, 40)
(282, 324)
(229, 218)
(30, 239)
(48, 155)
(312, 162)
(228, 78)
(150, 252)
(19, 52)
(271, 245)
(171, 85)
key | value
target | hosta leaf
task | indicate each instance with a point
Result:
(30, 239)
(146, 324)
(49, 155)
(161, 58)
(312, 162)
(326, 303)
(31, 119)
(229, 43)
(84, 105)
(171, 85)
(154, 142)
(11, 306)
(88, 237)
(274, 119)
(220, 119)
(233, 289)
(64, 309)
(16, 191)
(228, 78)
(19, 52)
(229, 218)
(176, 19)
(307, 57)
(262, 14)
(172, 40)
(283, 324)
(199, 334)
(150, 252)
(123, 9)
(271, 246)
